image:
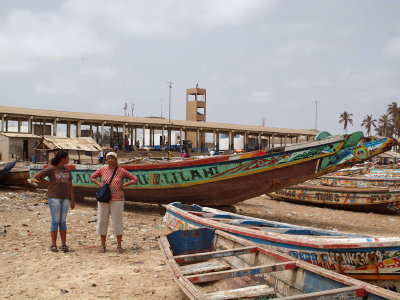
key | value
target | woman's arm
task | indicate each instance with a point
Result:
(94, 177)
(39, 177)
(133, 178)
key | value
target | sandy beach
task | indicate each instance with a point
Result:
(28, 269)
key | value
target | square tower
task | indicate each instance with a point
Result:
(196, 100)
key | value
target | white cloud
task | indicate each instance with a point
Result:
(28, 39)
(262, 97)
(103, 73)
(393, 47)
(303, 47)
(154, 18)
(308, 83)
(54, 87)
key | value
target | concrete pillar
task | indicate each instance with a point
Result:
(297, 139)
(131, 132)
(214, 140)
(19, 125)
(217, 141)
(68, 129)
(230, 140)
(3, 122)
(144, 135)
(162, 137)
(123, 135)
(79, 128)
(136, 138)
(30, 125)
(181, 139)
(273, 141)
(198, 140)
(102, 133)
(245, 138)
(169, 137)
(55, 127)
(259, 141)
(91, 130)
(112, 135)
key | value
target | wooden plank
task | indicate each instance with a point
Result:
(214, 254)
(341, 293)
(197, 278)
(250, 291)
(205, 267)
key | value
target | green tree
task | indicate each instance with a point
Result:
(393, 112)
(368, 122)
(346, 119)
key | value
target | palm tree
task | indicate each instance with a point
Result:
(384, 125)
(346, 119)
(368, 123)
(393, 111)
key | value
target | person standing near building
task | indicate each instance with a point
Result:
(60, 196)
(115, 207)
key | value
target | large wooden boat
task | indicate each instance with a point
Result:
(377, 200)
(371, 258)
(5, 167)
(211, 264)
(227, 179)
(18, 176)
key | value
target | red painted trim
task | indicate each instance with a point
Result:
(361, 292)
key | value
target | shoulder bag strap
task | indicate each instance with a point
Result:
(112, 177)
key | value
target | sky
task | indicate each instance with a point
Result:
(278, 60)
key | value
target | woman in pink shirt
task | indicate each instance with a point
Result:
(115, 206)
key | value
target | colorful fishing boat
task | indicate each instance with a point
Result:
(360, 181)
(377, 200)
(5, 167)
(211, 264)
(227, 179)
(371, 258)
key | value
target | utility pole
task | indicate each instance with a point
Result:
(125, 107)
(316, 113)
(169, 110)
(132, 108)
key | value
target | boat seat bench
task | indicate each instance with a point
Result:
(250, 291)
(204, 267)
(214, 254)
(214, 276)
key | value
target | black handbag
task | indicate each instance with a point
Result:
(103, 194)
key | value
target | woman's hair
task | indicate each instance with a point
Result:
(58, 157)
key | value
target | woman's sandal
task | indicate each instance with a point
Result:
(120, 250)
(102, 249)
(64, 248)
(53, 248)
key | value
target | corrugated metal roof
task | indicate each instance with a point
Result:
(20, 135)
(73, 144)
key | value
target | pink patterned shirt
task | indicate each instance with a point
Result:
(117, 194)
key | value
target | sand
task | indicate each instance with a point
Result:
(28, 269)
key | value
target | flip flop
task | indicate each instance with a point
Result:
(102, 249)
(120, 250)
(64, 248)
(53, 248)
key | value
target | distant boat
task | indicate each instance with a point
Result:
(370, 199)
(360, 181)
(5, 167)
(211, 264)
(18, 176)
(227, 179)
(375, 259)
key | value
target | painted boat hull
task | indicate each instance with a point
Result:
(16, 177)
(377, 200)
(196, 258)
(6, 167)
(360, 181)
(371, 258)
(225, 180)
